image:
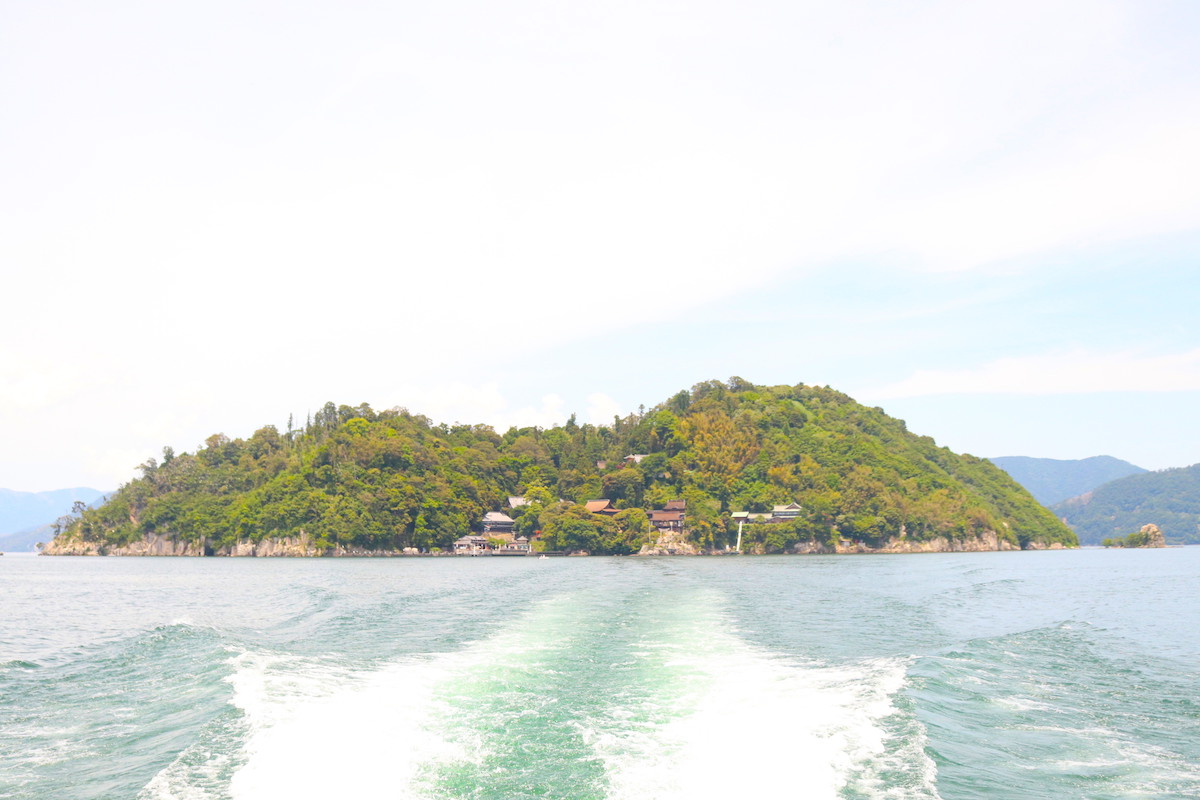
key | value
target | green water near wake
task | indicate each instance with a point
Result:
(952, 676)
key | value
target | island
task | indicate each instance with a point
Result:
(1148, 536)
(725, 467)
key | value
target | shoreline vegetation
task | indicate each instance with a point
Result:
(1149, 536)
(778, 469)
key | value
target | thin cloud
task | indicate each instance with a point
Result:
(1071, 372)
(482, 404)
(602, 409)
(375, 205)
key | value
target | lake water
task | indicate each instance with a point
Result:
(984, 675)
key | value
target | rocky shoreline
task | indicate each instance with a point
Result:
(154, 545)
(986, 542)
(302, 546)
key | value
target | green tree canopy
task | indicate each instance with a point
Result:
(354, 476)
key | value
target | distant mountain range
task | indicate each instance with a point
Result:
(1051, 480)
(26, 541)
(25, 517)
(1169, 498)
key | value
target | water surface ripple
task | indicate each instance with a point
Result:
(956, 676)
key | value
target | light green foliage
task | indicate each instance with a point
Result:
(571, 527)
(356, 477)
(624, 487)
(1136, 539)
(626, 532)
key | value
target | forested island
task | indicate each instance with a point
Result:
(355, 481)
(1148, 536)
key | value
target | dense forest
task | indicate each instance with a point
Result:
(353, 476)
(1169, 498)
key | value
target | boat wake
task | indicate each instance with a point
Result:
(726, 718)
(579, 697)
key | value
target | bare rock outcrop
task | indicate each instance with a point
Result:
(155, 545)
(985, 542)
(1154, 536)
(300, 546)
(70, 547)
(150, 545)
(672, 543)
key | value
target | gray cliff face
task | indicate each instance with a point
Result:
(56, 547)
(674, 543)
(302, 546)
(285, 547)
(1040, 546)
(154, 545)
(986, 542)
(151, 545)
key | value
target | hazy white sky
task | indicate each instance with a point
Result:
(983, 217)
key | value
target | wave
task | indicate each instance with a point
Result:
(109, 711)
(646, 695)
(307, 728)
(1064, 702)
(310, 727)
(18, 664)
(731, 719)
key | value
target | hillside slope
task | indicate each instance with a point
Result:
(357, 478)
(1168, 498)
(1051, 480)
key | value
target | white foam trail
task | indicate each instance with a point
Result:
(314, 729)
(319, 732)
(696, 713)
(311, 729)
(761, 726)
(200, 772)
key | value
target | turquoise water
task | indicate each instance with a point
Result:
(989, 675)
